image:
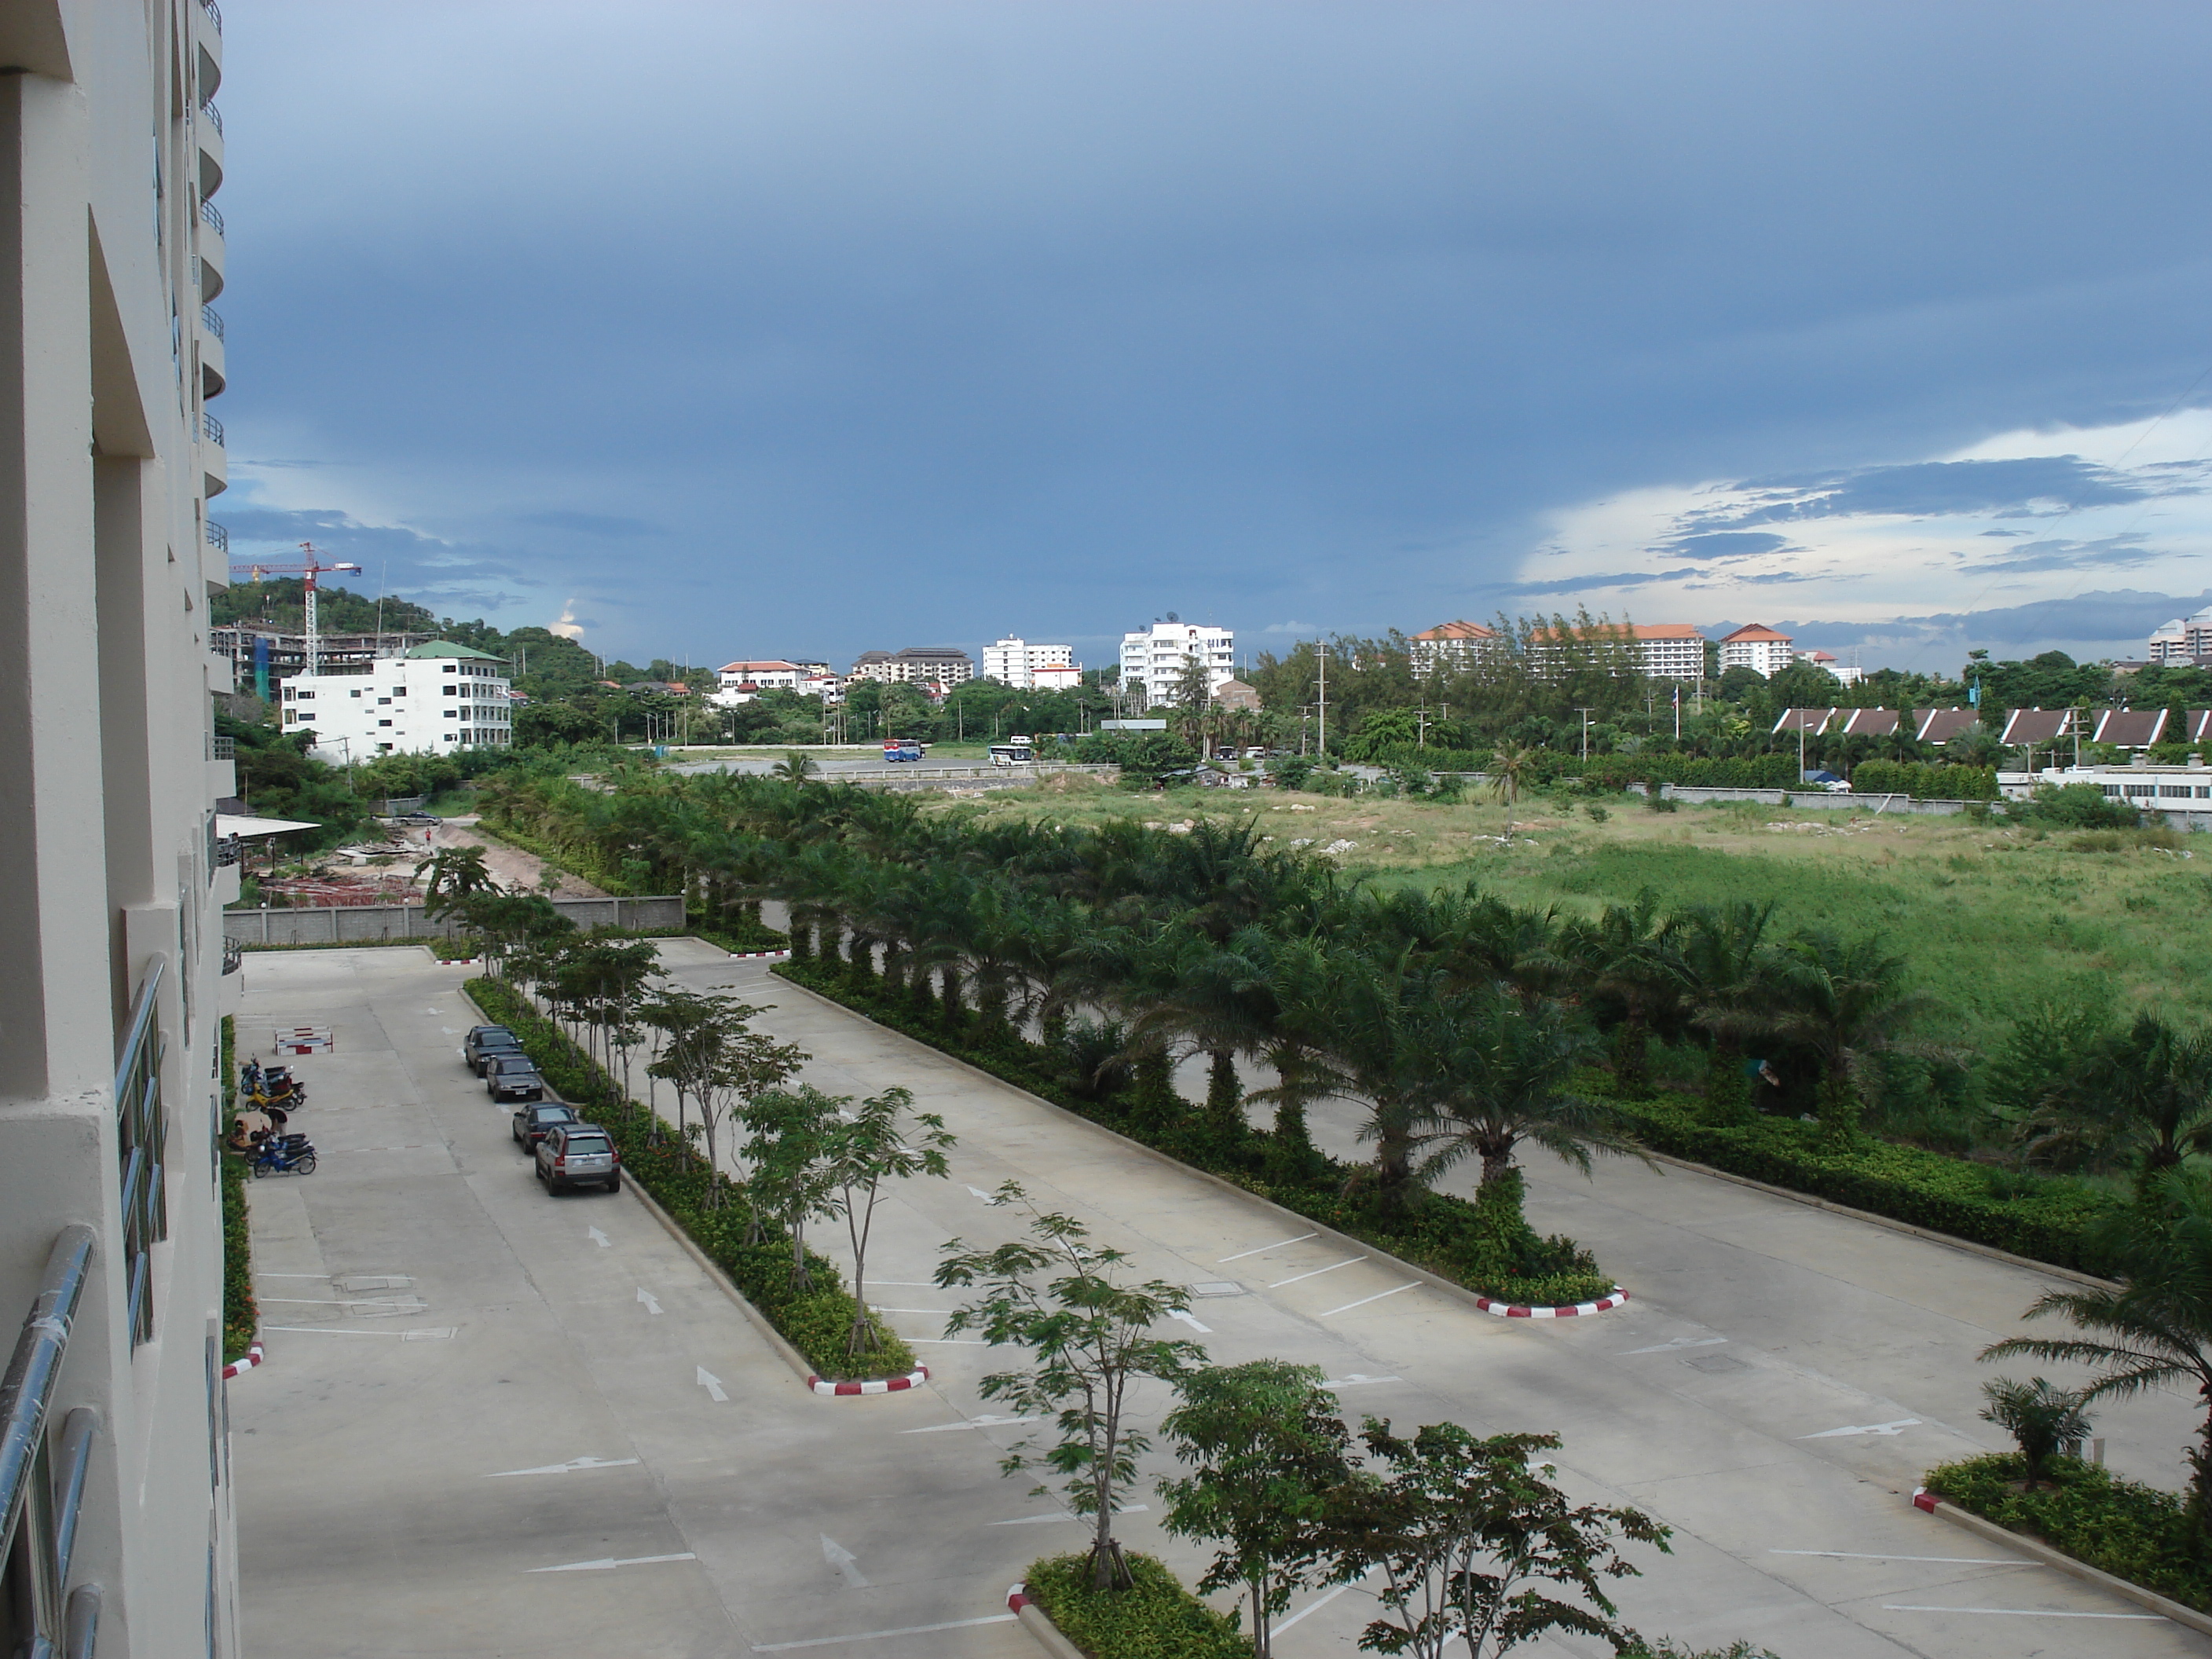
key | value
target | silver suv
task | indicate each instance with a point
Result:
(579, 1155)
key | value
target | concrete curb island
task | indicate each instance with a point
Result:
(1506, 1309)
(1038, 1623)
(252, 1356)
(2035, 1549)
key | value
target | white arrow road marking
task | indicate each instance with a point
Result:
(564, 1469)
(1189, 1319)
(972, 1423)
(1679, 1342)
(844, 1560)
(651, 1302)
(1069, 1514)
(597, 1237)
(605, 1562)
(1256, 1249)
(1354, 1381)
(712, 1384)
(1898, 1427)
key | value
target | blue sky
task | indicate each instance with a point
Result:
(756, 329)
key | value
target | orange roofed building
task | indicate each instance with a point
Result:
(1758, 647)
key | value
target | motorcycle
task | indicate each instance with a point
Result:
(282, 1155)
(268, 1089)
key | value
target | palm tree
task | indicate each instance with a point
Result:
(795, 769)
(1627, 956)
(1510, 765)
(1845, 1002)
(2155, 1330)
(1726, 972)
(2141, 1097)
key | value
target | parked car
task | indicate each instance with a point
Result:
(486, 1040)
(531, 1122)
(579, 1155)
(512, 1077)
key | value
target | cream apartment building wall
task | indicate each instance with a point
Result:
(111, 901)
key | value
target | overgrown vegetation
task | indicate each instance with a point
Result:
(240, 1318)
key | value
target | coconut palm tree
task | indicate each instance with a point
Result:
(2139, 1098)
(1626, 960)
(1512, 766)
(1845, 1003)
(2155, 1330)
(1726, 972)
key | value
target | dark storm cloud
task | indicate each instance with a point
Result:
(1723, 544)
(2047, 483)
(835, 324)
(2114, 623)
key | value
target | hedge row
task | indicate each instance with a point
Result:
(815, 1322)
(2132, 1531)
(2048, 1218)
(1775, 771)
(240, 1318)
(1924, 782)
(1449, 1236)
(1156, 1618)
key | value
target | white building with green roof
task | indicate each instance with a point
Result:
(437, 698)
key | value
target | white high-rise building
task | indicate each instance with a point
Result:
(437, 699)
(1017, 662)
(113, 1436)
(2184, 639)
(1155, 658)
(1758, 647)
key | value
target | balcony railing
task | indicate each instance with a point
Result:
(213, 116)
(215, 14)
(211, 321)
(209, 210)
(142, 1135)
(218, 536)
(223, 747)
(39, 1511)
(212, 427)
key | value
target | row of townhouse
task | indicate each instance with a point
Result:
(1665, 651)
(2122, 728)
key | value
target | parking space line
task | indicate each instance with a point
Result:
(1295, 1278)
(1941, 1561)
(1278, 1245)
(1318, 1603)
(2021, 1613)
(878, 1635)
(1364, 1300)
(608, 1563)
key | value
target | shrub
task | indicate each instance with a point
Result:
(2132, 1531)
(2081, 806)
(1155, 1619)
(2041, 1419)
(1924, 782)
(240, 1318)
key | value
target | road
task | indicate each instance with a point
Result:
(1771, 1392)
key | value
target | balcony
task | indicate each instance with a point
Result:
(141, 1140)
(212, 250)
(41, 1503)
(214, 374)
(218, 538)
(208, 130)
(206, 37)
(215, 464)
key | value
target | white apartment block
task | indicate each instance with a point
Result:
(1758, 647)
(1155, 658)
(1846, 674)
(1017, 662)
(918, 664)
(2183, 640)
(773, 675)
(1669, 651)
(438, 699)
(1451, 645)
(115, 1485)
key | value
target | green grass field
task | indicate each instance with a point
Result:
(1994, 919)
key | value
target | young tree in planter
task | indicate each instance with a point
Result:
(861, 1150)
(2042, 1420)
(677, 1014)
(719, 1059)
(1267, 1448)
(1090, 1335)
(1468, 1532)
(787, 1171)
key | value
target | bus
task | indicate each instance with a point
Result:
(1016, 751)
(902, 749)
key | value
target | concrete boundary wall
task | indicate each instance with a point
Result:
(1810, 798)
(339, 924)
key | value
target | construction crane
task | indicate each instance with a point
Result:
(306, 570)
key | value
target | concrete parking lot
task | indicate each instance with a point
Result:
(490, 1421)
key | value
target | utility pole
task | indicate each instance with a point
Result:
(1585, 713)
(1321, 650)
(1420, 728)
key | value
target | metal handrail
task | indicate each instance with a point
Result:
(211, 321)
(218, 535)
(213, 116)
(215, 14)
(209, 211)
(83, 1627)
(212, 427)
(141, 1131)
(79, 1430)
(143, 1008)
(223, 747)
(26, 1391)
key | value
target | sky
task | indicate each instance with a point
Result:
(763, 329)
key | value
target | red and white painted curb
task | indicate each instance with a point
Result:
(1925, 1499)
(1516, 1311)
(253, 1356)
(756, 955)
(913, 1379)
(1018, 1597)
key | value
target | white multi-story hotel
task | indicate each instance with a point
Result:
(2184, 639)
(1758, 647)
(115, 1498)
(1156, 658)
(918, 664)
(1017, 662)
(1451, 645)
(438, 699)
(772, 675)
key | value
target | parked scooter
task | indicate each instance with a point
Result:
(282, 1155)
(270, 1088)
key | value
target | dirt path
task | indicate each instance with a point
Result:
(510, 865)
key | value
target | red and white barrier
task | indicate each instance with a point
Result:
(913, 1379)
(252, 1356)
(1515, 1311)
(301, 1040)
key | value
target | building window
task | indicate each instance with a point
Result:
(453, 690)
(384, 722)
